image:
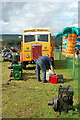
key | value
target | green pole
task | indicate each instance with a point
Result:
(74, 66)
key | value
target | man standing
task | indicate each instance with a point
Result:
(43, 63)
(77, 54)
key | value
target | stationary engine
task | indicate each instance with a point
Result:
(64, 101)
(16, 68)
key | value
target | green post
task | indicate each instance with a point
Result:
(74, 66)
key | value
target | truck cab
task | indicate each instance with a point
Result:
(36, 43)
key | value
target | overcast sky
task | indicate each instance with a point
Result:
(19, 16)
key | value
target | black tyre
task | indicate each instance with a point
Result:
(9, 56)
(23, 65)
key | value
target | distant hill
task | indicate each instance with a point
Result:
(10, 40)
(9, 36)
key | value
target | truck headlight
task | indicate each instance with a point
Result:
(27, 55)
(46, 54)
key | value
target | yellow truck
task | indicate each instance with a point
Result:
(36, 43)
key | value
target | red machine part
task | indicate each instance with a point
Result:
(53, 79)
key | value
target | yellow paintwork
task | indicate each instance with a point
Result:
(27, 49)
(47, 47)
(37, 30)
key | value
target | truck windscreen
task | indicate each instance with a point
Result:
(29, 38)
(43, 38)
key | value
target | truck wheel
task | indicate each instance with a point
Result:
(23, 65)
(4, 59)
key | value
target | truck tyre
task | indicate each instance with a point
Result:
(23, 65)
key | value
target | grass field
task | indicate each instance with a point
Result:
(28, 98)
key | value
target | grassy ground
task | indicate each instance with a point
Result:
(28, 98)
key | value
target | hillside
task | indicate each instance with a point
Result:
(10, 40)
(9, 36)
